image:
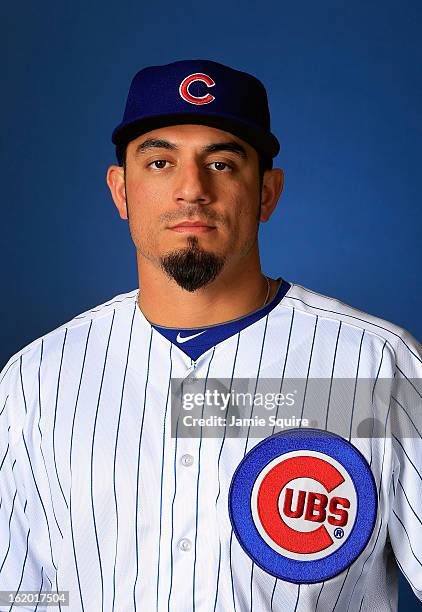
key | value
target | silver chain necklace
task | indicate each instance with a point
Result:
(268, 291)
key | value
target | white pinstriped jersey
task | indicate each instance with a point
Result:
(97, 498)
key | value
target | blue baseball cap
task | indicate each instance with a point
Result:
(199, 92)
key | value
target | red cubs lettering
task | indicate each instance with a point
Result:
(342, 515)
(314, 506)
(269, 492)
(287, 508)
(311, 505)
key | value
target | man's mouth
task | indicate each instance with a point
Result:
(194, 227)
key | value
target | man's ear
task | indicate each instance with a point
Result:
(272, 186)
(116, 183)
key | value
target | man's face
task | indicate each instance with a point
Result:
(193, 201)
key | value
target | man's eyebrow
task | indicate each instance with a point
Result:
(231, 145)
(215, 147)
(154, 143)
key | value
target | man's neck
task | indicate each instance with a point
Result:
(228, 297)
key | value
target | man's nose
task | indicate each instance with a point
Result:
(192, 184)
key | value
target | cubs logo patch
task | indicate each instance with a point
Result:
(303, 505)
(188, 96)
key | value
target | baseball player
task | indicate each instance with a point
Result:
(105, 497)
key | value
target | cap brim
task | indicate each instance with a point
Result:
(264, 142)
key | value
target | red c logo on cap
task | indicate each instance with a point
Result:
(184, 88)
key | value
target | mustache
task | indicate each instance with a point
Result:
(192, 212)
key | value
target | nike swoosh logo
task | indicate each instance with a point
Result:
(181, 339)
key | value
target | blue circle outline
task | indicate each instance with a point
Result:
(245, 475)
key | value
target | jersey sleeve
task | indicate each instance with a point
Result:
(23, 566)
(405, 521)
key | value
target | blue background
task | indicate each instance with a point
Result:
(344, 82)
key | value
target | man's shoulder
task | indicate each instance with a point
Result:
(52, 342)
(323, 306)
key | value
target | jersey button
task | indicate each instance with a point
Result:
(186, 460)
(185, 544)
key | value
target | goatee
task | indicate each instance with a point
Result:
(192, 267)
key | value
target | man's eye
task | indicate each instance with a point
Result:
(159, 164)
(221, 166)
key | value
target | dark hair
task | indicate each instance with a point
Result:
(265, 163)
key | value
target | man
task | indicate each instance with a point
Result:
(106, 495)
